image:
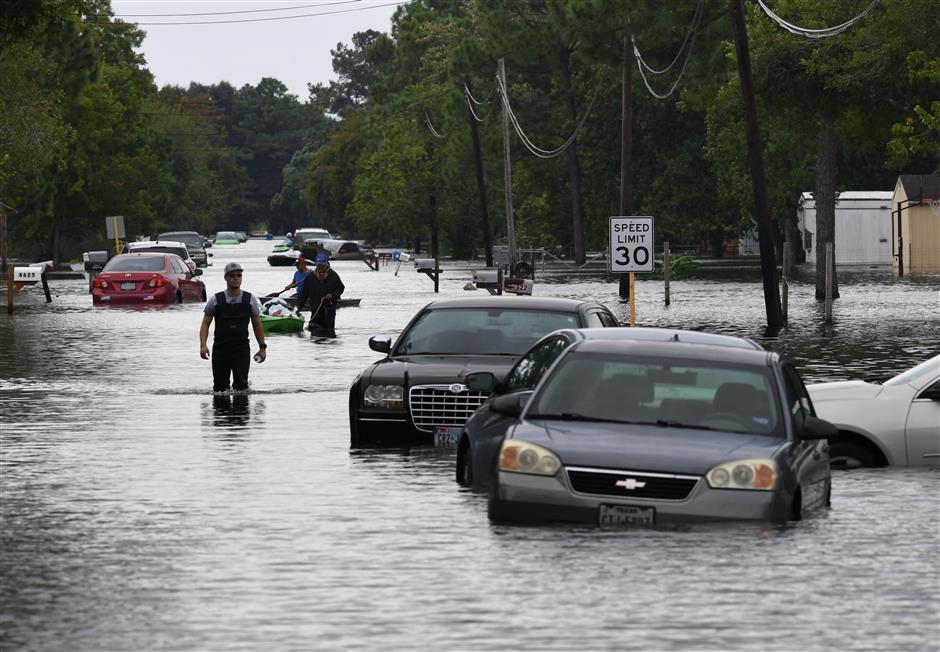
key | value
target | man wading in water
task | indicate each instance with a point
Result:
(321, 291)
(231, 351)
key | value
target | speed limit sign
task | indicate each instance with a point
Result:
(631, 244)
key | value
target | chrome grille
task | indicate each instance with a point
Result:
(660, 486)
(435, 405)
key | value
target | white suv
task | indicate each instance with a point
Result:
(162, 246)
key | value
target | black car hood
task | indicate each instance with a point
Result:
(433, 369)
(644, 448)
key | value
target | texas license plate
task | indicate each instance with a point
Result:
(129, 285)
(446, 436)
(626, 516)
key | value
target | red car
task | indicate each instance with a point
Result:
(147, 278)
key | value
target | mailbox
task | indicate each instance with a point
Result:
(94, 261)
(486, 276)
(425, 264)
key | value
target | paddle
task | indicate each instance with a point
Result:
(273, 294)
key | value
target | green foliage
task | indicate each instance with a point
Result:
(680, 267)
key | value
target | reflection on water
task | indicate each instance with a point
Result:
(138, 510)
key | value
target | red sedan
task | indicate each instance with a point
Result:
(147, 278)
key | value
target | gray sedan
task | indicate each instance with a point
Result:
(639, 433)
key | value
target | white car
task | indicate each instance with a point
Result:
(163, 247)
(895, 422)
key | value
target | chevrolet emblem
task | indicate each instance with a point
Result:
(630, 484)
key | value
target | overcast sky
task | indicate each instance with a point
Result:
(295, 50)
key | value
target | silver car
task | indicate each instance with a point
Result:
(623, 433)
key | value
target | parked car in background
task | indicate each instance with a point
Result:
(622, 433)
(162, 246)
(226, 238)
(416, 394)
(479, 441)
(242, 236)
(194, 242)
(300, 236)
(895, 422)
(148, 277)
(347, 249)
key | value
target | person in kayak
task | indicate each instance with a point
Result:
(299, 276)
(232, 310)
(321, 291)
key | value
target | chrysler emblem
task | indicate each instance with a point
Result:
(630, 484)
(456, 388)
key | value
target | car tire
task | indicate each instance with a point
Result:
(355, 440)
(850, 455)
(179, 297)
(203, 295)
(464, 465)
(796, 507)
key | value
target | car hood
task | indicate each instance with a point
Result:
(432, 369)
(644, 448)
(855, 389)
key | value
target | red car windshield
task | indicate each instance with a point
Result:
(135, 264)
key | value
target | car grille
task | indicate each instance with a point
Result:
(658, 486)
(435, 405)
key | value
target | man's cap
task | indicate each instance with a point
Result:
(301, 260)
(322, 258)
(232, 267)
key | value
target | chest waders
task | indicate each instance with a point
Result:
(231, 353)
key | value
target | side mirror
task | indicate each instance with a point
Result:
(206, 244)
(481, 381)
(816, 428)
(209, 253)
(510, 405)
(380, 343)
(197, 272)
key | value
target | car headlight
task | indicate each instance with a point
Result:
(743, 474)
(386, 396)
(522, 457)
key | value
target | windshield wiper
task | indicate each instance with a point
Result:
(570, 416)
(668, 423)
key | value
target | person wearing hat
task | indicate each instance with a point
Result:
(321, 291)
(302, 273)
(232, 309)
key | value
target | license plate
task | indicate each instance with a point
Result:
(446, 436)
(626, 516)
(129, 285)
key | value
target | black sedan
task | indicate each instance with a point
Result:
(417, 394)
(478, 443)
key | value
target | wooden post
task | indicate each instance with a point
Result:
(3, 238)
(437, 273)
(787, 265)
(828, 283)
(666, 268)
(481, 182)
(626, 145)
(632, 302)
(11, 290)
(507, 172)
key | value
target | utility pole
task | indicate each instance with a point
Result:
(626, 148)
(481, 183)
(768, 258)
(507, 169)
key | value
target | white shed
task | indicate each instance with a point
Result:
(863, 227)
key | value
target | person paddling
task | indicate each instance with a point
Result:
(321, 291)
(232, 310)
(300, 275)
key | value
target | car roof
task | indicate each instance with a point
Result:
(179, 233)
(682, 350)
(519, 303)
(145, 244)
(648, 334)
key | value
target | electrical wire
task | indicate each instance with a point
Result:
(825, 32)
(693, 31)
(693, 26)
(241, 11)
(427, 123)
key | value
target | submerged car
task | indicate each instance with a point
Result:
(226, 238)
(161, 247)
(627, 433)
(478, 443)
(194, 242)
(347, 250)
(416, 394)
(891, 422)
(147, 278)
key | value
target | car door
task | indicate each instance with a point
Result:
(488, 428)
(922, 429)
(186, 284)
(811, 460)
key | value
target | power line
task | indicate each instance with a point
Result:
(241, 11)
(641, 64)
(815, 33)
(257, 20)
(427, 122)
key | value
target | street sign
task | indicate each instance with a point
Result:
(115, 226)
(631, 244)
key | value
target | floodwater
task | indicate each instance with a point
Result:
(137, 511)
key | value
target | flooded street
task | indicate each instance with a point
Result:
(138, 511)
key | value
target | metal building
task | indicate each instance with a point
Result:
(863, 227)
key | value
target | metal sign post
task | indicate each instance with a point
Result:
(631, 250)
(115, 227)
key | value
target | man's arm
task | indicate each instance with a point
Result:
(259, 335)
(204, 336)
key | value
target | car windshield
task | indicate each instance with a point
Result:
(307, 234)
(226, 235)
(494, 331)
(179, 251)
(134, 264)
(919, 374)
(188, 239)
(698, 394)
